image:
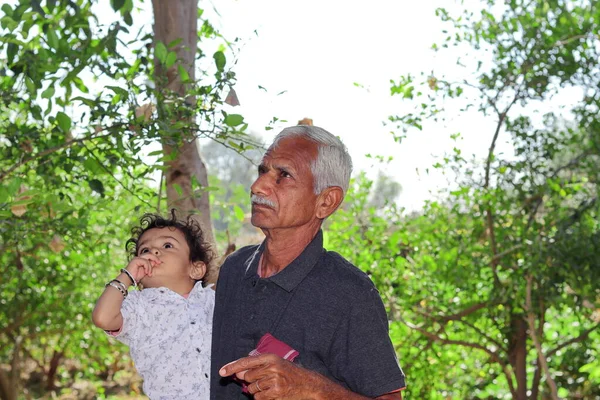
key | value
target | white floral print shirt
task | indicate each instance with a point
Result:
(169, 337)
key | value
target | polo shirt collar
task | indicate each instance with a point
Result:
(296, 271)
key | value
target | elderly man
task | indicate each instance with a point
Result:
(291, 287)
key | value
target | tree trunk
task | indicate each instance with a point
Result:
(9, 383)
(518, 353)
(178, 20)
(535, 385)
(51, 374)
(7, 390)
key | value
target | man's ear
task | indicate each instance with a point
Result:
(328, 201)
(198, 270)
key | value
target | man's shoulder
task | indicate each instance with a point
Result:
(240, 257)
(346, 274)
(241, 254)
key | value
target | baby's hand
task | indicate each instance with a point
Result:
(142, 266)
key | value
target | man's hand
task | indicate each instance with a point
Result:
(271, 377)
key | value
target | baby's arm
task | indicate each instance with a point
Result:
(107, 313)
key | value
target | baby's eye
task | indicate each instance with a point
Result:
(168, 246)
(144, 250)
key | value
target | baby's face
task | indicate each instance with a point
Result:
(171, 249)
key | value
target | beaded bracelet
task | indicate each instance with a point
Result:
(119, 286)
(133, 281)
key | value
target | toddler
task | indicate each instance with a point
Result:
(168, 324)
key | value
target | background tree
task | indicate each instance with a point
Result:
(80, 103)
(499, 276)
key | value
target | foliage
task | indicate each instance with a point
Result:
(78, 111)
(503, 267)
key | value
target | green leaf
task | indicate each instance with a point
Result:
(8, 11)
(117, 4)
(128, 19)
(92, 165)
(30, 86)
(183, 74)
(119, 90)
(220, 61)
(233, 120)
(239, 213)
(36, 6)
(96, 186)
(64, 122)
(174, 43)
(171, 59)
(53, 40)
(3, 194)
(160, 52)
(49, 92)
(134, 68)
(178, 189)
(11, 52)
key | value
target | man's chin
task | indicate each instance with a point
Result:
(259, 222)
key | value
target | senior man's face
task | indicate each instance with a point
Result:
(283, 195)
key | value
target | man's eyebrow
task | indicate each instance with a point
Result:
(285, 167)
(142, 243)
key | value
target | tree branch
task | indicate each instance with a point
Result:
(573, 38)
(46, 152)
(580, 338)
(160, 189)
(532, 332)
(488, 212)
(463, 313)
(540, 200)
(484, 335)
(109, 172)
(494, 356)
(498, 256)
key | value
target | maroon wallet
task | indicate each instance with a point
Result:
(268, 344)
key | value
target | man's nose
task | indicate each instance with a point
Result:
(260, 185)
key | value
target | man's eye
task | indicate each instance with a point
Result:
(168, 246)
(285, 174)
(144, 250)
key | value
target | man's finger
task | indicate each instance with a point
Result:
(244, 364)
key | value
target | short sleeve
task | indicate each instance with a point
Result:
(362, 354)
(130, 311)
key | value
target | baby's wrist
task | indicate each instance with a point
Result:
(124, 279)
(129, 278)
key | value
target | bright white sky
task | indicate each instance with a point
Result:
(315, 50)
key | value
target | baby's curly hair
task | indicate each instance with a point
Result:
(200, 250)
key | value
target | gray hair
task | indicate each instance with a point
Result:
(333, 164)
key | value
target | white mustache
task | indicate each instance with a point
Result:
(262, 201)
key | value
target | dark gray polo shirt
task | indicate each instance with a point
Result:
(320, 304)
